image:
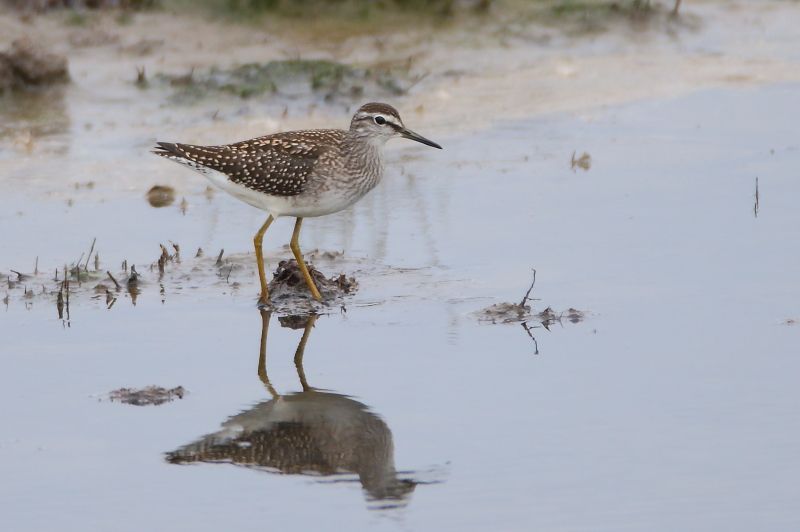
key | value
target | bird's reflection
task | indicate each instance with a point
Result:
(312, 432)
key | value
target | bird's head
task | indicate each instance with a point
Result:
(380, 122)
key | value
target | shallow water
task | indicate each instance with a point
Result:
(672, 406)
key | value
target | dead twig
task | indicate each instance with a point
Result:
(133, 280)
(66, 291)
(162, 260)
(60, 302)
(530, 288)
(89, 256)
(532, 337)
(116, 284)
(141, 78)
(77, 268)
(755, 205)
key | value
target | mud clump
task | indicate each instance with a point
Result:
(26, 65)
(151, 395)
(505, 313)
(288, 283)
(522, 312)
(161, 196)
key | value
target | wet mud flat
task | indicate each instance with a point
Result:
(651, 385)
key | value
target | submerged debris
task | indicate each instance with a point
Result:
(574, 315)
(161, 196)
(26, 64)
(584, 162)
(133, 279)
(319, 254)
(151, 395)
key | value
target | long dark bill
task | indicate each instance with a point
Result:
(408, 134)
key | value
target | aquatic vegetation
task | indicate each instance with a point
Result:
(328, 8)
(597, 15)
(293, 77)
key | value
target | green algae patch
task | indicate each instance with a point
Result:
(291, 78)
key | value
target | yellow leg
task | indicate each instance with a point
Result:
(298, 354)
(262, 353)
(257, 240)
(295, 245)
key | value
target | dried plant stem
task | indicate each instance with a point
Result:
(530, 288)
(89, 256)
(116, 284)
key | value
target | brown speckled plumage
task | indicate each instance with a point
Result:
(300, 173)
(278, 164)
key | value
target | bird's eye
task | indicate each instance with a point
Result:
(380, 120)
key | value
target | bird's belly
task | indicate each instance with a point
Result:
(308, 204)
(240, 192)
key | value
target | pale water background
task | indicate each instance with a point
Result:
(673, 406)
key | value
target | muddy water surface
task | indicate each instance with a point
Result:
(673, 405)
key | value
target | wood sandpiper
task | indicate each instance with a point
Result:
(299, 173)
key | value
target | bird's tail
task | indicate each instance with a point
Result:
(167, 149)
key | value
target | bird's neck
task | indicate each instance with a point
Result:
(364, 157)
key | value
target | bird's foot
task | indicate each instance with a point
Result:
(264, 302)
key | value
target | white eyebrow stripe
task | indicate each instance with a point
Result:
(388, 118)
(392, 120)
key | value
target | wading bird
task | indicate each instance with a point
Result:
(299, 173)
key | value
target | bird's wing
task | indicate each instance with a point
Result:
(279, 164)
